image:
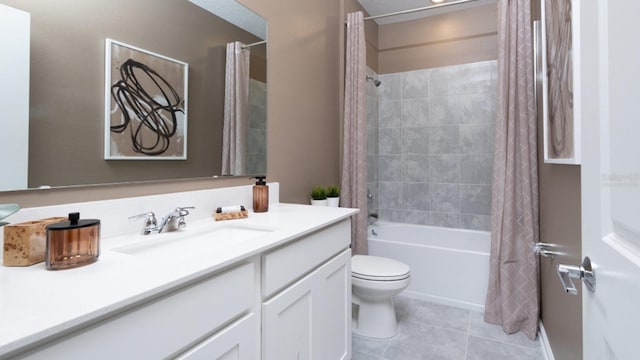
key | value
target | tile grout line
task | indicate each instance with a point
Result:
(466, 346)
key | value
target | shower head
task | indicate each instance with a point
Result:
(375, 81)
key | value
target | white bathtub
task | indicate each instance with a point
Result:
(449, 266)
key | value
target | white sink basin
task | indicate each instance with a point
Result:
(191, 242)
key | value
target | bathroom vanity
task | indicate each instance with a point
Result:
(276, 285)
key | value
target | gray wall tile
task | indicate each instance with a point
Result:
(475, 199)
(451, 220)
(415, 112)
(389, 114)
(445, 198)
(390, 167)
(415, 84)
(391, 87)
(394, 215)
(390, 194)
(443, 140)
(372, 168)
(476, 138)
(461, 79)
(476, 169)
(389, 141)
(415, 140)
(435, 132)
(417, 217)
(416, 196)
(415, 168)
(475, 222)
(444, 169)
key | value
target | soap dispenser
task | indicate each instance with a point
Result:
(260, 195)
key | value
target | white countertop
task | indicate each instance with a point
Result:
(36, 304)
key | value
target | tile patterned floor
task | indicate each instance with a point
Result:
(428, 330)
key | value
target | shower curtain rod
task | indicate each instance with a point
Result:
(254, 44)
(417, 9)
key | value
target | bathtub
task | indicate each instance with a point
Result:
(449, 266)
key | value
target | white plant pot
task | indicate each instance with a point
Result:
(333, 201)
(319, 202)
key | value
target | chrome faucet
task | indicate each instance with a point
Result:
(171, 222)
(150, 223)
(175, 219)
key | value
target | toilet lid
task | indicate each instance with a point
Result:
(369, 267)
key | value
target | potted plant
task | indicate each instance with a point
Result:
(333, 195)
(319, 196)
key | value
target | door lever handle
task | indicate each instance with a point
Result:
(584, 272)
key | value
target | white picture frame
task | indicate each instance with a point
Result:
(145, 113)
(560, 85)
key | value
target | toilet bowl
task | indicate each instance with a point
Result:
(375, 280)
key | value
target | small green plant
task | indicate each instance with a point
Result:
(318, 193)
(333, 191)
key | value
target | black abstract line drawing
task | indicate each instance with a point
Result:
(157, 115)
(145, 105)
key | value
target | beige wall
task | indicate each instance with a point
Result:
(455, 38)
(303, 128)
(560, 223)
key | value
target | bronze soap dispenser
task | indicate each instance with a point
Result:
(72, 243)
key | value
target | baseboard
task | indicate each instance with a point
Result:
(544, 342)
(442, 300)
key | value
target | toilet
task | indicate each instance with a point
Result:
(375, 280)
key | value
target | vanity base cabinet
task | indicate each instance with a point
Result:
(166, 326)
(292, 302)
(311, 319)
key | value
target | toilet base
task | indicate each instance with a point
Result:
(376, 319)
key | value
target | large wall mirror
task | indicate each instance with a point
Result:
(66, 87)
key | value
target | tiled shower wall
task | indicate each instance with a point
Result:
(257, 130)
(434, 146)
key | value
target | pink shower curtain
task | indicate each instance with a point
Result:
(354, 145)
(513, 294)
(236, 98)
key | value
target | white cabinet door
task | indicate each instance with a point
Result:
(332, 309)
(286, 323)
(312, 318)
(235, 342)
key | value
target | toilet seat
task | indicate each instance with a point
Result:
(375, 268)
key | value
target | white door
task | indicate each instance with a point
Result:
(609, 82)
(14, 96)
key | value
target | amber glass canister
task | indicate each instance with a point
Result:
(260, 195)
(72, 243)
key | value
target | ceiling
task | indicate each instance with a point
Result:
(377, 7)
(237, 14)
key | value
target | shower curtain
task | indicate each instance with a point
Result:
(354, 144)
(513, 295)
(236, 97)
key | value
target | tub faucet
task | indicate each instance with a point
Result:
(174, 220)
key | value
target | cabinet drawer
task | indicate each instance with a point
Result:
(288, 263)
(164, 326)
(237, 341)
